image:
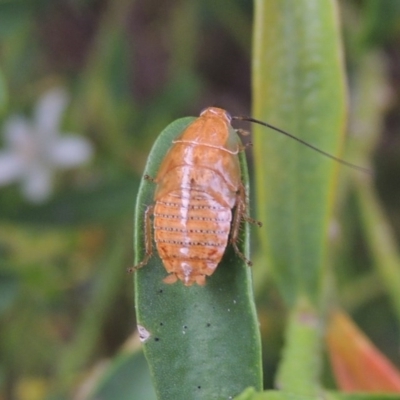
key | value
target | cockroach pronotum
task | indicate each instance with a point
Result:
(200, 199)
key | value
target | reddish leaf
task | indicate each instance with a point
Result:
(357, 364)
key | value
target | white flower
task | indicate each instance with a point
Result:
(35, 149)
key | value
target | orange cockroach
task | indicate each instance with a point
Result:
(200, 199)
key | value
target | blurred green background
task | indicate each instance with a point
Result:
(122, 70)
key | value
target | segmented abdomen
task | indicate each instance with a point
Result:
(191, 232)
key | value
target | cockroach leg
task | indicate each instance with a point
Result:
(238, 216)
(251, 220)
(149, 178)
(242, 132)
(243, 199)
(243, 147)
(148, 239)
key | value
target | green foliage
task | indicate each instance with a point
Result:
(118, 378)
(251, 394)
(298, 85)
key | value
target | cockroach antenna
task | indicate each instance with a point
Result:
(339, 160)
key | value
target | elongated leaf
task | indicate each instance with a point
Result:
(366, 124)
(3, 92)
(203, 342)
(126, 378)
(298, 86)
(299, 369)
(251, 394)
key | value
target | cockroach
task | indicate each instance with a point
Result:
(200, 199)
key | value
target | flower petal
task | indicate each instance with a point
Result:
(37, 184)
(70, 151)
(49, 110)
(11, 167)
(18, 133)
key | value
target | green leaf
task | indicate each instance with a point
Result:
(298, 86)
(299, 369)
(9, 288)
(105, 203)
(203, 341)
(14, 16)
(362, 396)
(126, 378)
(251, 394)
(380, 22)
(367, 122)
(111, 274)
(3, 92)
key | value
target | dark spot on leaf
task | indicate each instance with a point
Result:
(160, 291)
(157, 339)
(199, 387)
(208, 325)
(184, 327)
(161, 324)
